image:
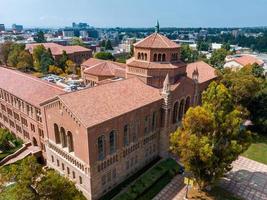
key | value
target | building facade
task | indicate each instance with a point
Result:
(101, 135)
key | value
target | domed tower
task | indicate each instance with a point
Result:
(154, 58)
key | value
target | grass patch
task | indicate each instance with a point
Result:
(151, 182)
(258, 149)
(217, 193)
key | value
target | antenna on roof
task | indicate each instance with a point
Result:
(157, 27)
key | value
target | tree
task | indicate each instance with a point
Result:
(203, 46)
(54, 186)
(242, 84)
(46, 61)
(25, 61)
(218, 58)
(5, 49)
(258, 110)
(104, 56)
(34, 183)
(226, 46)
(70, 67)
(55, 70)
(38, 51)
(14, 53)
(212, 136)
(257, 70)
(188, 55)
(40, 37)
(77, 41)
(108, 45)
(63, 59)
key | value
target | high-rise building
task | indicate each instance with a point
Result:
(17, 28)
(2, 27)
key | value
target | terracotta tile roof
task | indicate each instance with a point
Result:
(247, 60)
(149, 65)
(57, 49)
(101, 103)
(156, 41)
(104, 68)
(26, 87)
(205, 71)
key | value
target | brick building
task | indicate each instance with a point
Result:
(76, 53)
(101, 135)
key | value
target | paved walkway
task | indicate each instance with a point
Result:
(31, 150)
(175, 190)
(247, 179)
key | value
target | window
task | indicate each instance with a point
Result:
(63, 137)
(73, 175)
(80, 180)
(159, 57)
(155, 57)
(112, 142)
(56, 132)
(142, 56)
(70, 141)
(145, 56)
(58, 163)
(114, 173)
(139, 56)
(24, 122)
(32, 128)
(63, 166)
(101, 147)
(187, 104)
(175, 113)
(68, 170)
(126, 135)
(52, 158)
(164, 57)
(181, 109)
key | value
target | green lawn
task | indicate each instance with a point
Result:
(258, 149)
(7, 193)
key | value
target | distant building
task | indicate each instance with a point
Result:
(215, 46)
(68, 33)
(240, 61)
(80, 25)
(84, 34)
(77, 54)
(2, 27)
(17, 28)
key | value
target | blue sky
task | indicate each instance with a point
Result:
(135, 13)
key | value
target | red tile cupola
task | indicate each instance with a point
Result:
(154, 58)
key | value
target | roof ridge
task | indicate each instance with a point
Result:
(164, 40)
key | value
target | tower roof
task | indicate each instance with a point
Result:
(156, 41)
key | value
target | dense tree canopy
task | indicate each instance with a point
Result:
(39, 38)
(218, 58)
(104, 56)
(211, 136)
(188, 55)
(31, 182)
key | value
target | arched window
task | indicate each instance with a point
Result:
(126, 135)
(112, 142)
(57, 134)
(155, 57)
(139, 56)
(34, 141)
(181, 110)
(175, 113)
(142, 56)
(145, 56)
(63, 137)
(187, 104)
(159, 57)
(101, 147)
(70, 141)
(164, 57)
